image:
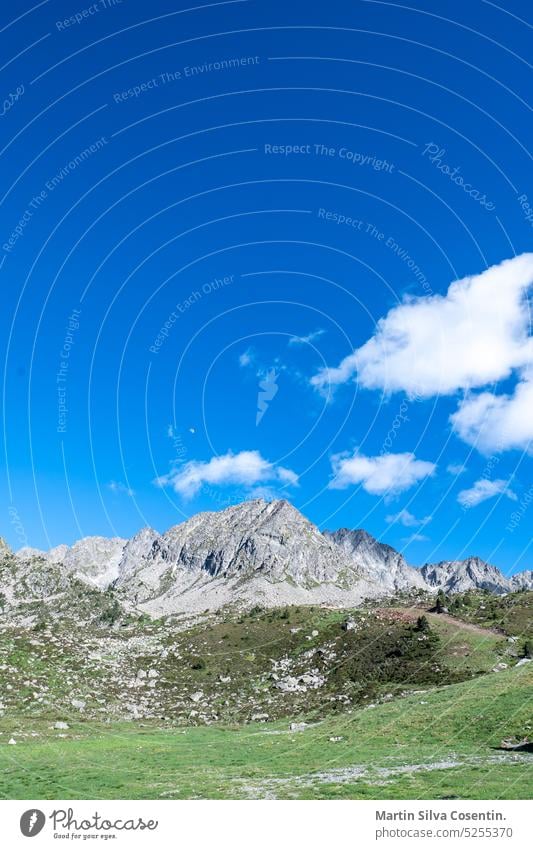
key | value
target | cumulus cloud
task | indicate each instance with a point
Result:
(484, 489)
(474, 335)
(387, 474)
(405, 518)
(306, 340)
(416, 538)
(494, 423)
(247, 468)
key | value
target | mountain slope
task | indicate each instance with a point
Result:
(258, 548)
(456, 576)
(377, 561)
(256, 552)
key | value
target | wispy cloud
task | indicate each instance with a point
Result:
(246, 358)
(120, 488)
(484, 489)
(416, 538)
(456, 469)
(247, 468)
(306, 340)
(405, 518)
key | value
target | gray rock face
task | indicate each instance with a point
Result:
(522, 580)
(256, 552)
(5, 550)
(457, 576)
(95, 560)
(55, 555)
(377, 561)
(256, 539)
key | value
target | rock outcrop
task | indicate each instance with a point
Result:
(378, 562)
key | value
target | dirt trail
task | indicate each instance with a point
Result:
(410, 615)
(466, 626)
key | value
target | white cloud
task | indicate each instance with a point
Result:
(416, 538)
(476, 334)
(456, 469)
(246, 358)
(387, 474)
(405, 518)
(494, 423)
(306, 340)
(484, 489)
(120, 488)
(246, 468)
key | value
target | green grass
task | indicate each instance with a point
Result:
(376, 756)
(511, 614)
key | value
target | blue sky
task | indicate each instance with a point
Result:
(228, 239)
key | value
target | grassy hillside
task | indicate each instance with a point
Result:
(387, 702)
(234, 668)
(438, 744)
(512, 614)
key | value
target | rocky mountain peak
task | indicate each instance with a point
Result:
(258, 551)
(378, 561)
(5, 550)
(258, 540)
(95, 559)
(462, 575)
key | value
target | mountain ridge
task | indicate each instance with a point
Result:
(255, 551)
